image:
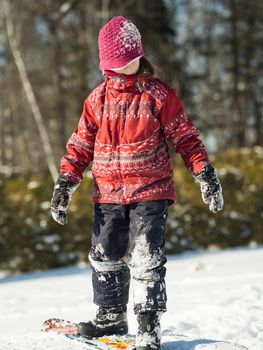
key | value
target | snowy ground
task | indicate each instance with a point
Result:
(213, 297)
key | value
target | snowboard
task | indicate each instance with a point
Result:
(170, 339)
(69, 330)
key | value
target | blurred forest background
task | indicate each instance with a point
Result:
(210, 50)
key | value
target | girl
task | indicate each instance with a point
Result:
(124, 129)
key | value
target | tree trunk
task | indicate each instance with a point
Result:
(59, 109)
(238, 127)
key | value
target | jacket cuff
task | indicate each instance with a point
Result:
(199, 167)
(70, 177)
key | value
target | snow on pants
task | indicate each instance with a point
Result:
(137, 229)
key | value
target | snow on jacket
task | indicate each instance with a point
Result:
(124, 129)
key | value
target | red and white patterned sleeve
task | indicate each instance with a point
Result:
(80, 146)
(183, 135)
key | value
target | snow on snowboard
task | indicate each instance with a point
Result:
(170, 340)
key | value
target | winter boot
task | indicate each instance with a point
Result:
(108, 321)
(149, 331)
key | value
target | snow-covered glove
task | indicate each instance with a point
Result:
(62, 194)
(211, 189)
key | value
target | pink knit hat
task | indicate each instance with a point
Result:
(119, 43)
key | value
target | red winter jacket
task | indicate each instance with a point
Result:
(124, 129)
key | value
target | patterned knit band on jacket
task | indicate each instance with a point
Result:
(124, 130)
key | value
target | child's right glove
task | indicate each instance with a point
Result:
(211, 189)
(62, 194)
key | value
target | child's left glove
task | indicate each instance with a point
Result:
(62, 194)
(211, 189)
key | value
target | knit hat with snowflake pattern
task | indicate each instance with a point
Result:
(119, 43)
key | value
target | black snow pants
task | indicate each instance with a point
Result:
(137, 229)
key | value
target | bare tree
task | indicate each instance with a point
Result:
(29, 90)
